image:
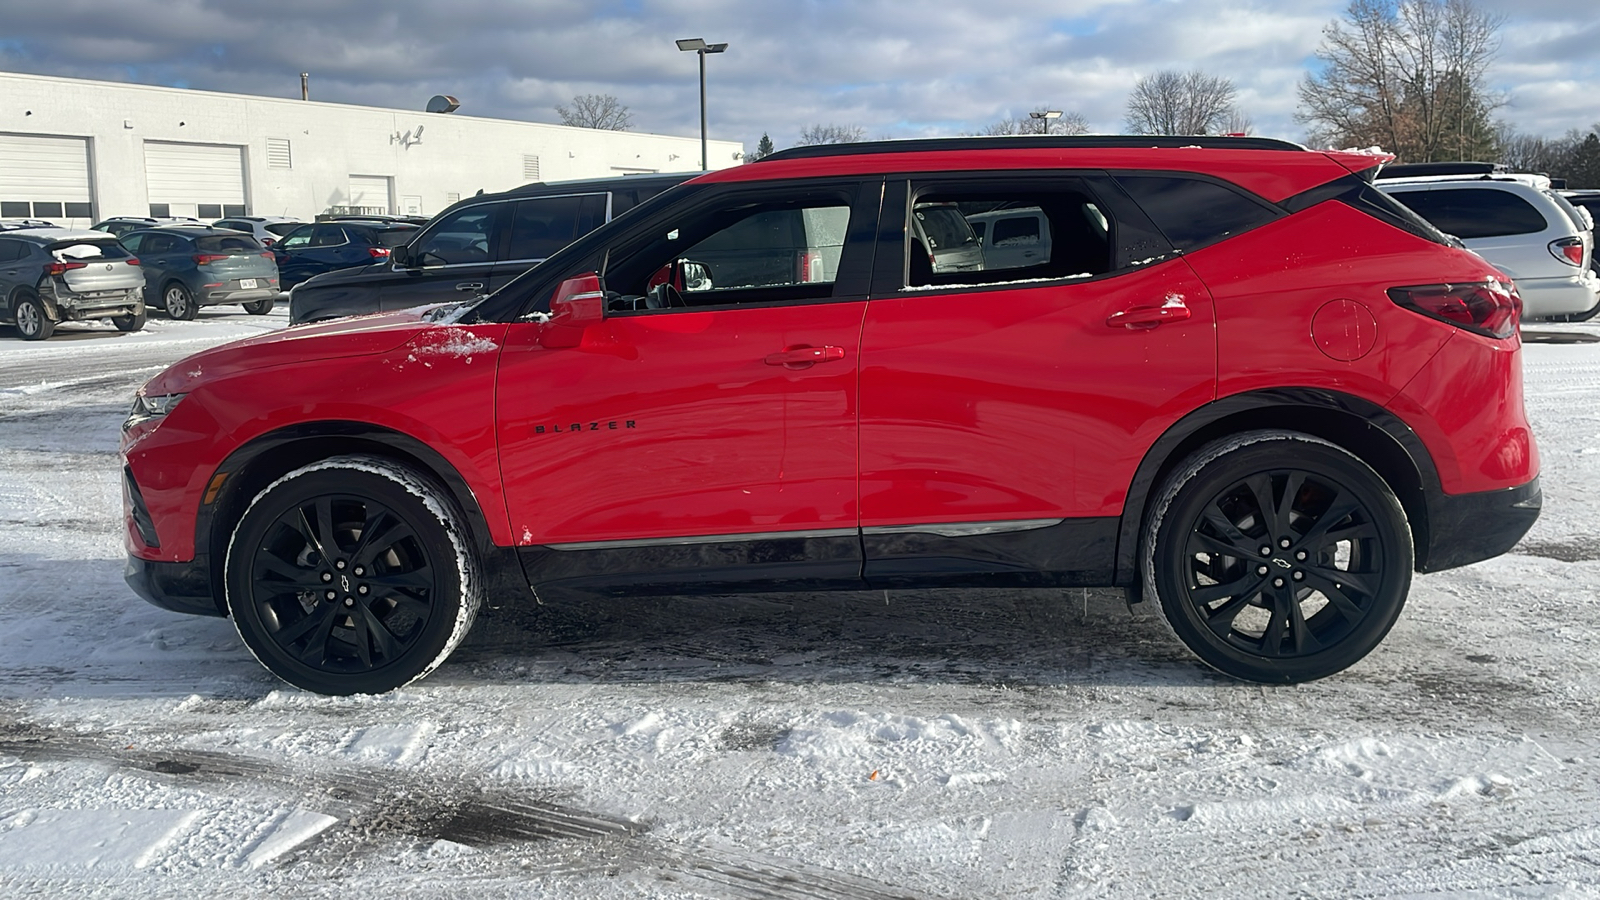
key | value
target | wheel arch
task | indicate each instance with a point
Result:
(1373, 434)
(256, 464)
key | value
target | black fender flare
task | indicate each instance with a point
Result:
(1376, 435)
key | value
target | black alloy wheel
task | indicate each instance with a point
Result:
(1279, 558)
(344, 577)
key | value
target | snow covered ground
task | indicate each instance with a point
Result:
(929, 744)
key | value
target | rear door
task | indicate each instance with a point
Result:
(13, 258)
(162, 258)
(1004, 411)
(707, 436)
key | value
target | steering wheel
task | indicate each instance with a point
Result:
(663, 296)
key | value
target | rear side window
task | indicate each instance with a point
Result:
(543, 225)
(1474, 212)
(993, 234)
(1193, 212)
(281, 228)
(394, 237)
(10, 251)
(227, 243)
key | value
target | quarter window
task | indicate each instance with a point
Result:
(1193, 212)
(1474, 212)
(10, 251)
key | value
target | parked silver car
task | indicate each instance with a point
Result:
(52, 275)
(266, 229)
(949, 240)
(1520, 225)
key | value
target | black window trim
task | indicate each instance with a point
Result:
(1357, 192)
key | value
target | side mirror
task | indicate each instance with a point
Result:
(401, 256)
(577, 303)
(693, 276)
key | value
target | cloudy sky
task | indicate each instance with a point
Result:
(895, 68)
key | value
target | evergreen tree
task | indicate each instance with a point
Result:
(764, 149)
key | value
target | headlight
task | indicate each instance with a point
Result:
(146, 407)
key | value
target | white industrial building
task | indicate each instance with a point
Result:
(75, 151)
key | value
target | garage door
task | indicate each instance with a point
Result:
(202, 180)
(45, 178)
(369, 194)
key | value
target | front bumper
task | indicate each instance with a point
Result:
(183, 587)
(1469, 528)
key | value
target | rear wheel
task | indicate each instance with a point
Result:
(259, 307)
(178, 302)
(352, 575)
(33, 321)
(129, 322)
(1278, 557)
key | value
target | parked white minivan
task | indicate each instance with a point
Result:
(1520, 225)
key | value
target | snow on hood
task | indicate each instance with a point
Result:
(355, 336)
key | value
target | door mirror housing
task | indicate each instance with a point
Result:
(577, 303)
(401, 256)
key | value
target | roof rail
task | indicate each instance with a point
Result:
(1034, 142)
(1429, 169)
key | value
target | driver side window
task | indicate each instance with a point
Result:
(466, 236)
(740, 253)
(296, 239)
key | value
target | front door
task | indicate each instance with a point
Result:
(703, 433)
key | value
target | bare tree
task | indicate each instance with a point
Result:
(1238, 122)
(1409, 76)
(1171, 102)
(830, 134)
(601, 111)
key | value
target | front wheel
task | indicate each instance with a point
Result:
(33, 321)
(1277, 557)
(352, 575)
(178, 302)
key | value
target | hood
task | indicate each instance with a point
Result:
(354, 336)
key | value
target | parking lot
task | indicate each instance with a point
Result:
(918, 744)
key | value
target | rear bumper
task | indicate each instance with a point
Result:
(238, 295)
(72, 306)
(1568, 296)
(181, 587)
(1469, 528)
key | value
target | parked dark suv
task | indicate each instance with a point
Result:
(1242, 385)
(337, 244)
(476, 246)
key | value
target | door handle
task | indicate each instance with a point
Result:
(470, 286)
(804, 357)
(1137, 317)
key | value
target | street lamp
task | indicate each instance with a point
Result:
(1044, 116)
(699, 45)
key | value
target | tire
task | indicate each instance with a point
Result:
(404, 580)
(178, 302)
(260, 307)
(130, 322)
(33, 320)
(1325, 600)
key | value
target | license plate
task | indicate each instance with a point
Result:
(247, 283)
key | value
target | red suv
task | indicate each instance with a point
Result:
(1231, 378)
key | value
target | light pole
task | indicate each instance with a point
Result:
(1044, 116)
(699, 46)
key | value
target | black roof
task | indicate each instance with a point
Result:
(1034, 142)
(647, 180)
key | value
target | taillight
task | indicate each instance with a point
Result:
(1490, 308)
(61, 268)
(379, 252)
(267, 242)
(809, 267)
(1568, 250)
(132, 260)
(201, 259)
(269, 254)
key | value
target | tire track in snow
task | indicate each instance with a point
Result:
(378, 807)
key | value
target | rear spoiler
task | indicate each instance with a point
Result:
(1365, 163)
